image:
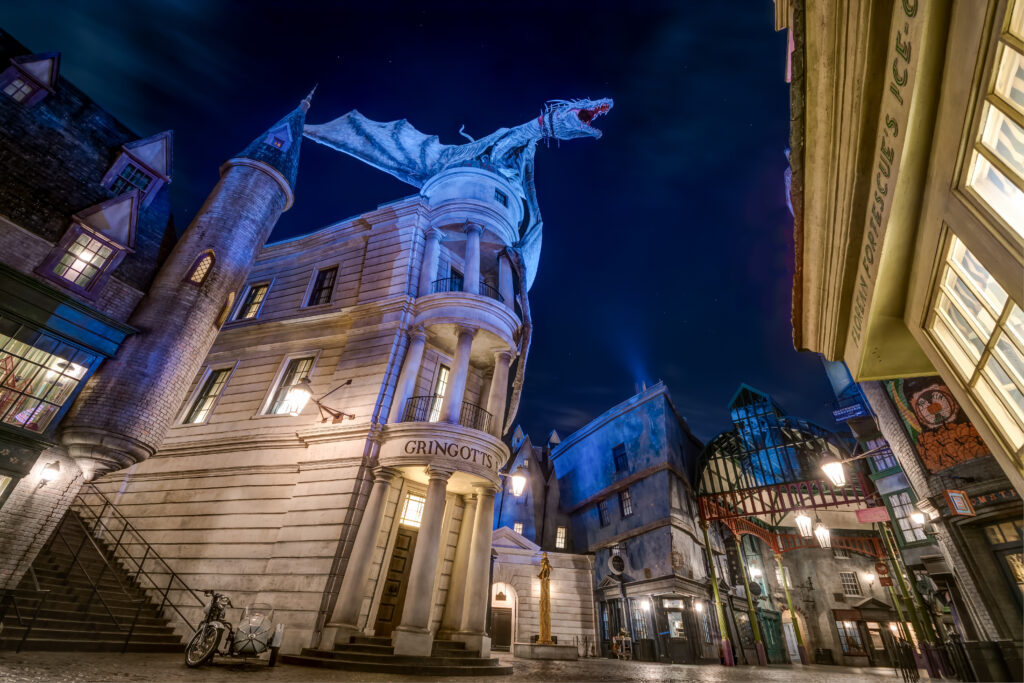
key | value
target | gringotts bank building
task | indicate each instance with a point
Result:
(320, 426)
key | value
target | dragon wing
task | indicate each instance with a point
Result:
(395, 147)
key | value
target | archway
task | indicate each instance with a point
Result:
(504, 616)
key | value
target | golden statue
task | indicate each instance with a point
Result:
(545, 601)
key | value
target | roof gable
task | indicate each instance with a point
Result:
(506, 538)
(116, 218)
(154, 152)
(43, 67)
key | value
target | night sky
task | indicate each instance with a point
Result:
(667, 243)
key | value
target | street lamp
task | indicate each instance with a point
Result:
(870, 576)
(823, 535)
(49, 473)
(917, 517)
(518, 479)
(833, 469)
(803, 524)
(297, 397)
(698, 606)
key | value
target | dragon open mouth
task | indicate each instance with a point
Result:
(588, 115)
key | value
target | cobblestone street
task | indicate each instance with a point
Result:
(50, 667)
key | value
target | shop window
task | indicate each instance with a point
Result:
(602, 512)
(323, 287)
(201, 268)
(517, 527)
(901, 506)
(640, 611)
(849, 638)
(851, 586)
(625, 503)
(39, 376)
(209, 391)
(981, 331)
(560, 537)
(412, 510)
(296, 370)
(253, 301)
(1005, 539)
(620, 458)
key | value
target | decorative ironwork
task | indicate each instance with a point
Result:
(421, 408)
(457, 284)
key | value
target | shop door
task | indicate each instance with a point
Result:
(878, 654)
(501, 628)
(679, 633)
(611, 621)
(389, 613)
(791, 645)
(771, 635)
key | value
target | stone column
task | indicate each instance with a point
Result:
(499, 392)
(452, 406)
(353, 586)
(413, 636)
(474, 617)
(451, 621)
(472, 283)
(431, 253)
(410, 371)
(505, 282)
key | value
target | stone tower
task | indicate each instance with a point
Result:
(126, 408)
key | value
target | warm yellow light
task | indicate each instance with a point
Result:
(297, 397)
(51, 471)
(645, 605)
(755, 573)
(823, 535)
(699, 606)
(803, 525)
(893, 627)
(833, 469)
(518, 482)
(917, 517)
(870, 576)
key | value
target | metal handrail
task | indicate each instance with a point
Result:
(9, 597)
(428, 409)
(119, 526)
(457, 284)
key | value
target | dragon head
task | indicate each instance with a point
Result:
(568, 119)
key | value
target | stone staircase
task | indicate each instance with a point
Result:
(115, 617)
(449, 658)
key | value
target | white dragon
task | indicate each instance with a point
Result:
(396, 147)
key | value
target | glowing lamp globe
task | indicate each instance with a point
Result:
(755, 573)
(822, 533)
(297, 397)
(893, 627)
(699, 606)
(51, 471)
(645, 605)
(518, 482)
(833, 469)
(917, 517)
(870, 576)
(803, 524)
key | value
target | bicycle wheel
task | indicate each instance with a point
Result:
(202, 646)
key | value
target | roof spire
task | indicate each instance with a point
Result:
(309, 99)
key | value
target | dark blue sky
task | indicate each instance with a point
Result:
(667, 243)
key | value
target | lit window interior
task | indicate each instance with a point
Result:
(981, 330)
(83, 260)
(201, 269)
(412, 510)
(517, 527)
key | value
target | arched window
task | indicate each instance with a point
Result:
(201, 268)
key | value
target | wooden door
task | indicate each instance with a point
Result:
(501, 628)
(389, 612)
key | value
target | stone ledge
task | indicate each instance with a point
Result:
(538, 651)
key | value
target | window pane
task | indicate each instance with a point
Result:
(969, 304)
(997, 190)
(253, 301)
(207, 396)
(963, 330)
(1011, 359)
(999, 413)
(297, 370)
(1017, 19)
(1015, 323)
(969, 268)
(1010, 80)
(1004, 384)
(412, 510)
(1005, 138)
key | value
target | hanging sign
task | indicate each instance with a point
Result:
(882, 568)
(959, 504)
(885, 581)
(871, 515)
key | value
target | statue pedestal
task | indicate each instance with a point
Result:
(538, 651)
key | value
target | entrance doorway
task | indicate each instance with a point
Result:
(501, 628)
(771, 635)
(389, 612)
(791, 644)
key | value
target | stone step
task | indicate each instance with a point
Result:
(77, 645)
(66, 622)
(423, 667)
(111, 634)
(399, 659)
(359, 647)
(56, 608)
(369, 640)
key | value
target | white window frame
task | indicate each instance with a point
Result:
(279, 375)
(312, 282)
(245, 293)
(560, 536)
(849, 580)
(517, 527)
(407, 497)
(194, 394)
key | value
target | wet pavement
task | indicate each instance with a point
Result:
(77, 667)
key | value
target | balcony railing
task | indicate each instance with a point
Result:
(428, 409)
(457, 284)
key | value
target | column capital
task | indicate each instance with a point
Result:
(386, 474)
(417, 333)
(441, 473)
(504, 356)
(434, 234)
(468, 499)
(473, 228)
(704, 524)
(484, 488)
(466, 329)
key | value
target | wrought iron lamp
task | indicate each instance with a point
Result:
(870, 576)
(300, 394)
(49, 473)
(518, 479)
(823, 535)
(833, 466)
(803, 525)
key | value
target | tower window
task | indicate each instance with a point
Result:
(517, 527)
(201, 268)
(131, 178)
(602, 512)
(207, 396)
(323, 287)
(84, 261)
(254, 298)
(19, 89)
(297, 370)
(620, 457)
(626, 503)
(279, 138)
(412, 510)
(560, 537)
(501, 197)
